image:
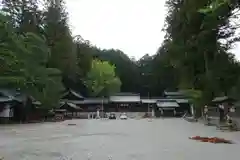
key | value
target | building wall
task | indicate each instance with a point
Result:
(129, 114)
(113, 107)
(124, 98)
(7, 112)
(127, 107)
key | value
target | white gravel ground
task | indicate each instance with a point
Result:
(158, 139)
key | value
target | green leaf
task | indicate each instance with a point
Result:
(101, 79)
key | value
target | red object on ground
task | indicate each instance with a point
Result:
(211, 139)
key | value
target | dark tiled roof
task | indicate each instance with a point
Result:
(8, 92)
(16, 95)
(89, 101)
(13, 94)
(223, 99)
(126, 94)
(5, 99)
(178, 93)
(71, 105)
(155, 100)
(166, 100)
(74, 93)
(152, 97)
(148, 101)
(124, 99)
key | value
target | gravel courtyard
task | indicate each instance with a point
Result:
(158, 139)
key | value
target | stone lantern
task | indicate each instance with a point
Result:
(232, 109)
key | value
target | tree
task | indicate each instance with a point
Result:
(84, 56)
(125, 68)
(84, 61)
(165, 76)
(24, 59)
(60, 41)
(195, 53)
(101, 80)
(25, 15)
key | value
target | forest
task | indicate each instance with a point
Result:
(40, 56)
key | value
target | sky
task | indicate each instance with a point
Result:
(133, 26)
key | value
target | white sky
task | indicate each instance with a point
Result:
(133, 26)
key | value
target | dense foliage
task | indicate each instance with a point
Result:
(39, 54)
